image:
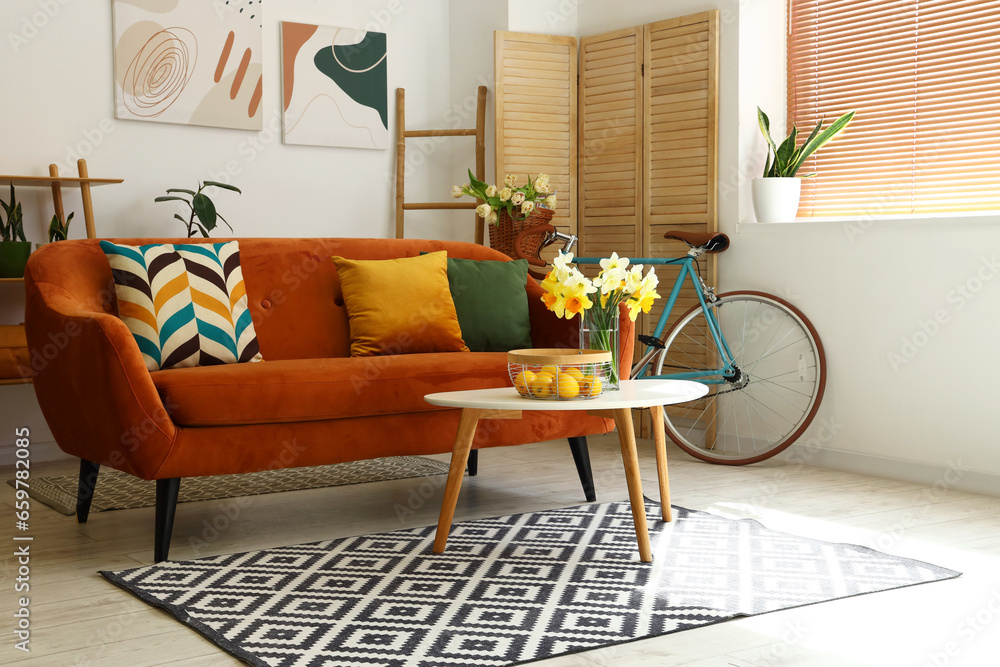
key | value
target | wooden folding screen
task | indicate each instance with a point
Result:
(648, 115)
(535, 105)
(680, 121)
(611, 136)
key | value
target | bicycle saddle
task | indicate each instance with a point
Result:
(712, 242)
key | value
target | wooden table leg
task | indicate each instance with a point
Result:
(459, 457)
(659, 440)
(626, 436)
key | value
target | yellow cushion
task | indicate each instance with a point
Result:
(400, 306)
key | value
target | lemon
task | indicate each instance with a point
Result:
(591, 386)
(543, 386)
(523, 381)
(567, 386)
(553, 370)
(574, 373)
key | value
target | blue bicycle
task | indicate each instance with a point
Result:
(759, 355)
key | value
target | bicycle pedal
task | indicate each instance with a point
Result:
(651, 341)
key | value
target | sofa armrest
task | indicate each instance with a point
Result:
(547, 330)
(92, 384)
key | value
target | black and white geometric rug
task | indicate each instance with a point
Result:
(508, 590)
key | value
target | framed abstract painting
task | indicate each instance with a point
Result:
(334, 86)
(189, 61)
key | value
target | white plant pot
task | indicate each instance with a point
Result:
(776, 199)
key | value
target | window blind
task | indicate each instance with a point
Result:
(924, 78)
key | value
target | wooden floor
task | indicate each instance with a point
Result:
(78, 618)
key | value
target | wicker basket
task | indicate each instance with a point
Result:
(571, 374)
(503, 235)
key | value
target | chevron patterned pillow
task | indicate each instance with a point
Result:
(186, 305)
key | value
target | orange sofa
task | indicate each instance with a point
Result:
(309, 403)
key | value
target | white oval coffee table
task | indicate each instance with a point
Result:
(506, 403)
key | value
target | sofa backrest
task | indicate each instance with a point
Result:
(292, 286)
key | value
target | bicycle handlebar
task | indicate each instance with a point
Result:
(569, 240)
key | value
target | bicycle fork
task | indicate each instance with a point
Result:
(729, 372)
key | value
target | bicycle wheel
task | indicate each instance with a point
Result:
(774, 393)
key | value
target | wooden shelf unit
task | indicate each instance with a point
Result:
(57, 183)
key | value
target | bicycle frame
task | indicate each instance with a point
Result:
(687, 271)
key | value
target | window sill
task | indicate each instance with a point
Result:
(907, 223)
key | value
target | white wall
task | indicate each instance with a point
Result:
(547, 17)
(60, 103)
(472, 28)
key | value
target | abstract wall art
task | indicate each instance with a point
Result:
(189, 61)
(334, 86)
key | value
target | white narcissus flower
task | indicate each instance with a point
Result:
(517, 198)
(577, 283)
(509, 180)
(484, 210)
(561, 265)
(613, 273)
(527, 207)
(633, 280)
(505, 194)
(491, 191)
(456, 191)
(614, 262)
(550, 202)
(648, 284)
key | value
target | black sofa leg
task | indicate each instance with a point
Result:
(166, 504)
(85, 489)
(581, 457)
(473, 464)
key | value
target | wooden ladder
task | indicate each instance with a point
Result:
(402, 134)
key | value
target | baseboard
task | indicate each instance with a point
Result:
(40, 451)
(951, 474)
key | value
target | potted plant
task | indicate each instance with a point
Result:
(510, 209)
(57, 230)
(776, 194)
(14, 249)
(204, 216)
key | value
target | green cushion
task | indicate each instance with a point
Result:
(491, 303)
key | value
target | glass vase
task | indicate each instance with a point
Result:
(599, 331)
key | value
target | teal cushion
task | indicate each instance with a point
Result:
(491, 303)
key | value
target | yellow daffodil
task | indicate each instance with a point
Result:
(574, 304)
(567, 290)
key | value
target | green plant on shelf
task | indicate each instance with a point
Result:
(786, 159)
(57, 230)
(12, 229)
(203, 215)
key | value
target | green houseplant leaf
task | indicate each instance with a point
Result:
(57, 230)
(224, 186)
(817, 139)
(787, 158)
(205, 210)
